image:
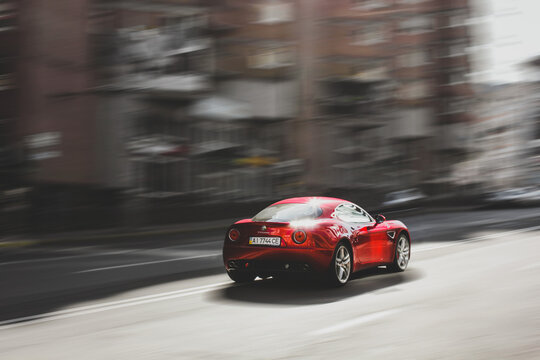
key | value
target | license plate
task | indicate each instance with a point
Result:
(265, 240)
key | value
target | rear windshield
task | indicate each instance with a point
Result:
(288, 212)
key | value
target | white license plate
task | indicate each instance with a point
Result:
(265, 240)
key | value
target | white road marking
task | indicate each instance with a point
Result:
(148, 263)
(477, 238)
(190, 245)
(359, 320)
(91, 309)
(104, 253)
(57, 258)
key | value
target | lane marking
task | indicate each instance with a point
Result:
(206, 227)
(91, 309)
(359, 320)
(478, 238)
(137, 251)
(148, 263)
(190, 245)
(56, 258)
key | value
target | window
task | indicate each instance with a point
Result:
(275, 13)
(410, 2)
(351, 213)
(456, 106)
(413, 59)
(370, 4)
(458, 77)
(288, 212)
(459, 19)
(370, 34)
(416, 25)
(271, 58)
(458, 49)
(414, 90)
(377, 71)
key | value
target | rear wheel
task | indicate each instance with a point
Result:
(402, 255)
(241, 276)
(341, 266)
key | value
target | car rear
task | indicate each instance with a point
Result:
(287, 238)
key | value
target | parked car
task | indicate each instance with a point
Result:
(530, 197)
(403, 197)
(328, 237)
(515, 196)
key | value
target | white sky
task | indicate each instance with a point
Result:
(506, 34)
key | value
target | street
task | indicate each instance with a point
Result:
(471, 292)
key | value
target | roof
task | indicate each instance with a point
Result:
(319, 200)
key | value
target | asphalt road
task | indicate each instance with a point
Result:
(471, 292)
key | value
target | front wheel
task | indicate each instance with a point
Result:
(341, 266)
(402, 255)
(241, 276)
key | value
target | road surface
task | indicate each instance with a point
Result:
(471, 292)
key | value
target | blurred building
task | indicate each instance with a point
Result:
(199, 96)
(147, 102)
(501, 133)
(505, 136)
(394, 93)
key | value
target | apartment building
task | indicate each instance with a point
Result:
(203, 95)
(408, 62)
(199, 101)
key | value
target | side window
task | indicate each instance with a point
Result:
(351, 213)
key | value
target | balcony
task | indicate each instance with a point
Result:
(346, 47)
(343, 67)
(159, 147)
(173, 86)
(359, 124)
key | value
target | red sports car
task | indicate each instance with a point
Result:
(320, 235)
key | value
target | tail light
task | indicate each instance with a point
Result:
(234, 234)
(299, 236)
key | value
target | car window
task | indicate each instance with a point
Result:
(351, 213)
(288, 212)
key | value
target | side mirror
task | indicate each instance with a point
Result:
(379, 218)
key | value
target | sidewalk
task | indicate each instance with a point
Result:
(114, 233)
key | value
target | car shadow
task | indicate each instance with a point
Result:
(308, 291)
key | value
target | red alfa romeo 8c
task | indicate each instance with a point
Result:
(324, 236)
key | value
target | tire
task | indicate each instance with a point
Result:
(402, 254)
(241, 276)
(341, 265)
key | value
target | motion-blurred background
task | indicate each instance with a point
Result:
(133, 113)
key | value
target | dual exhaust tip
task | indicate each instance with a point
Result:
(242, 264)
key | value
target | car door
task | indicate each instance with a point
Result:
(381, 246)
(360, 223)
